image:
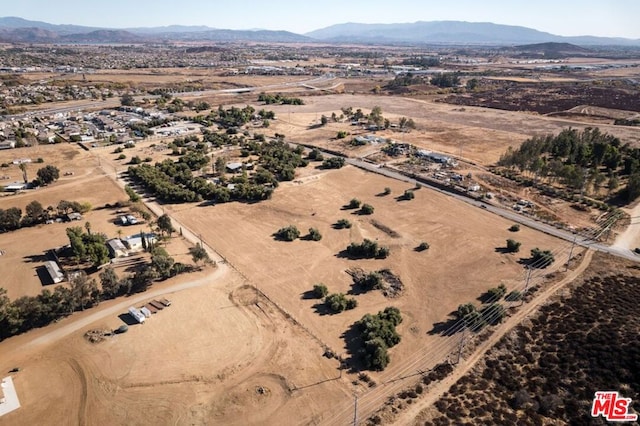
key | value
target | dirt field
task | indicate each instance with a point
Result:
(478, 134)
(239, 363)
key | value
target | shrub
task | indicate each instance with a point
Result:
(342, 224)
(514, 228)
(496, 293)
(333, 163)
(423, 246)
(513, 246)
(366, 209)
(370, 281)
(386, 191)
(338, 302)
(408, 195)
(288, 233)
(314, 234)
(354, 203)
(541, 258)
(320, 291)
(342, 134)
(118, 150)
(121, 157)
(513, 296)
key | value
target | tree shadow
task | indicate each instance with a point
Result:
(308, 295)
(322, 309)
(382, 194)
(357, 289)
(37, 258)
(446, 328)
(502, 250)
(353, 343)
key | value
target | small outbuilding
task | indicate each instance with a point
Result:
(54, 271)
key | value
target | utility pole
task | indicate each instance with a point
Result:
(571, 252)
(464, 332)
(526, 285)
(355, 411)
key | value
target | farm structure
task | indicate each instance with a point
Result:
(117, 248)
(54, 271)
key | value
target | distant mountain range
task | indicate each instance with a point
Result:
(13, 29)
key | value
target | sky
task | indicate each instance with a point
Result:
(610, 18)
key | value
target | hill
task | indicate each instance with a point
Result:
(451, 32)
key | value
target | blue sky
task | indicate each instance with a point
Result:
(613, 18)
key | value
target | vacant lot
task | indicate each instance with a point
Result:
(479, 134)
(213, 356)
(461, 264)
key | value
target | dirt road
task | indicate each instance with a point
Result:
(408, 416)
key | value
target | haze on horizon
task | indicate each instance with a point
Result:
(607, 18)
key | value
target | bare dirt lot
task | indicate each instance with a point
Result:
(213, 356)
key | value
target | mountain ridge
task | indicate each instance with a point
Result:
(15, 29)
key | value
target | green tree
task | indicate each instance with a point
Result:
(314, 234)
(541, 258)
(48, 174)
(161, 262)
(165, 225)
(342, 224)
(288, 233)
(127, 100)
(34, 210)
(513, 246)
(199, 254)
(320, 291)
(84, 291)
(367, 209)
(109, 283)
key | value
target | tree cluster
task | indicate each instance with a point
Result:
(368, 249)
(541, 258)
(444, 80)
(279, 99)
(333, 163)
(580, 160)
(378, 334)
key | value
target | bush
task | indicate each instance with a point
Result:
(118, 150)
(514, 296)
(423, 246)
(496, 293)
(338, 302)
(333, 163)
(320, 291)
(541, 258)
(342, 224)
(366, 209)
(514, 228)
(314, 234)
(288, 233)
(513, 246)
(121, 157)
(386, 191)
(354, 203)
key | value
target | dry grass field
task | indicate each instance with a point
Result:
(222, 353)
(478, 134)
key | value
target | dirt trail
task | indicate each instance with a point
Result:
(630, 237)
(408, 416)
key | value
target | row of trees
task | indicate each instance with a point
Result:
(12, 218)
(368, 249)
(279, 99)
